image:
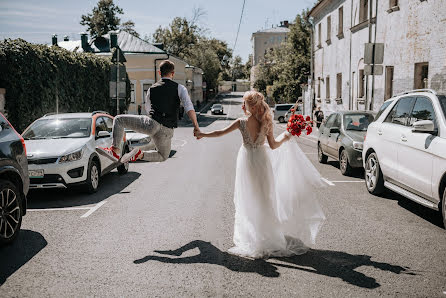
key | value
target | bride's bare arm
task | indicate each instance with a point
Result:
(273, 143)
(218, 133)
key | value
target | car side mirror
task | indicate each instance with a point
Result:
(103, 134)
(426, 126)
(334, 130)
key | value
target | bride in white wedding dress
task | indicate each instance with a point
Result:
(276, 210)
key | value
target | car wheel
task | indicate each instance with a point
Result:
(93, 176)
(321, 156)
(373, 175)
(443, 207)
(344, 165)
(124, 168)
(281, 119)
(10, 211)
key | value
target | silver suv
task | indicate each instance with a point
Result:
(280, 110)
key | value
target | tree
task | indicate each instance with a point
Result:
(287, 67)
(104, 18)
(129, 26)
(186, 40)
(178, 38)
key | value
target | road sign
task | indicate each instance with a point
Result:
(117, 52)
(378, 70)
(379, 53)
(122, 73)
(121, 89)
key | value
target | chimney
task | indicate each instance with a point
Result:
(285, 23)
(113, 39)
(65, 38)
(281, 24)
(54, 40)
(84, 41)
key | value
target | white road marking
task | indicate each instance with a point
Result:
(98, 205)
(348, 181)
(60, 209)
(328, 182)
(88, 213)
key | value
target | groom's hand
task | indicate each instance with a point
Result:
(197, 133)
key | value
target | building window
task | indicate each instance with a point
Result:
(327, 88)
(145, 87)
(421, 75)
(339, 86)
(389, 82)
(361, 83)
(329, 30)
(363, 10)
(319, 87)
(319, 40)
(341, 22)
(132, 93)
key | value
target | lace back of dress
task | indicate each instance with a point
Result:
(247, 141)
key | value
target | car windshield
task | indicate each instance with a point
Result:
(358, 122)
(383, 108)
(58, 128)
(442, 99)
(217, 106)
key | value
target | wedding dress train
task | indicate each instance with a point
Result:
(276, 210)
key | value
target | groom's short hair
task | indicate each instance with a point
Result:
(166, 67)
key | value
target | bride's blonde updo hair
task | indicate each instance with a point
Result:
(262, 113)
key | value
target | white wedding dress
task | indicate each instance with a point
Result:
(276, 210)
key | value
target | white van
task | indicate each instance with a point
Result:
(280, 111)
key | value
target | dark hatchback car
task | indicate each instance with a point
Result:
(341, 137)
(14, 181)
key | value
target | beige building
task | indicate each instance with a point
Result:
(265, 40)
(194, 84)
(414, 46)
(143, 60)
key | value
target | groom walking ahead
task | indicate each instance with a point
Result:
(162, 106)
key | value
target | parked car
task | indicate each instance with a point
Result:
(138, 140)
(405, 149)
(61, 150)
(289, 113)
(217, 109)
(341, 137)
(280, 110)
(14, 181)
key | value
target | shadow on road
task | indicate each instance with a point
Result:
(430, 215)
(110, 184)
(24, 248)
(355, 173)
(341, 265)
(212, 255)
(324, 262)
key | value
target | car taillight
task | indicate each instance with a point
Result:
(365, 136)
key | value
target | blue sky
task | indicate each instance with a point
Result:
(36, 21)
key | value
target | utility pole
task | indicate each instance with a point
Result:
(372, 99)
(366, 106)
(117, 80)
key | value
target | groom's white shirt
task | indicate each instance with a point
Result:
(182, 94)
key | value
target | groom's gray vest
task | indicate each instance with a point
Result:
(165, 102)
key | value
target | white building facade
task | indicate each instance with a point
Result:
(414, 37)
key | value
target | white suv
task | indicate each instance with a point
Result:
(405, 148)
(61, 150)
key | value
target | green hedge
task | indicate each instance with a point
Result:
(36, 75)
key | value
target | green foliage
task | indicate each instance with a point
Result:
(287, 67)
(36, 75)
(104, 18)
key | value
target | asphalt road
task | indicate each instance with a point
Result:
(116, 242)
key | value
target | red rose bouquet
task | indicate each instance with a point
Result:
(297, 124)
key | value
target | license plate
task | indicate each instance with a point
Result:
(35, 173)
